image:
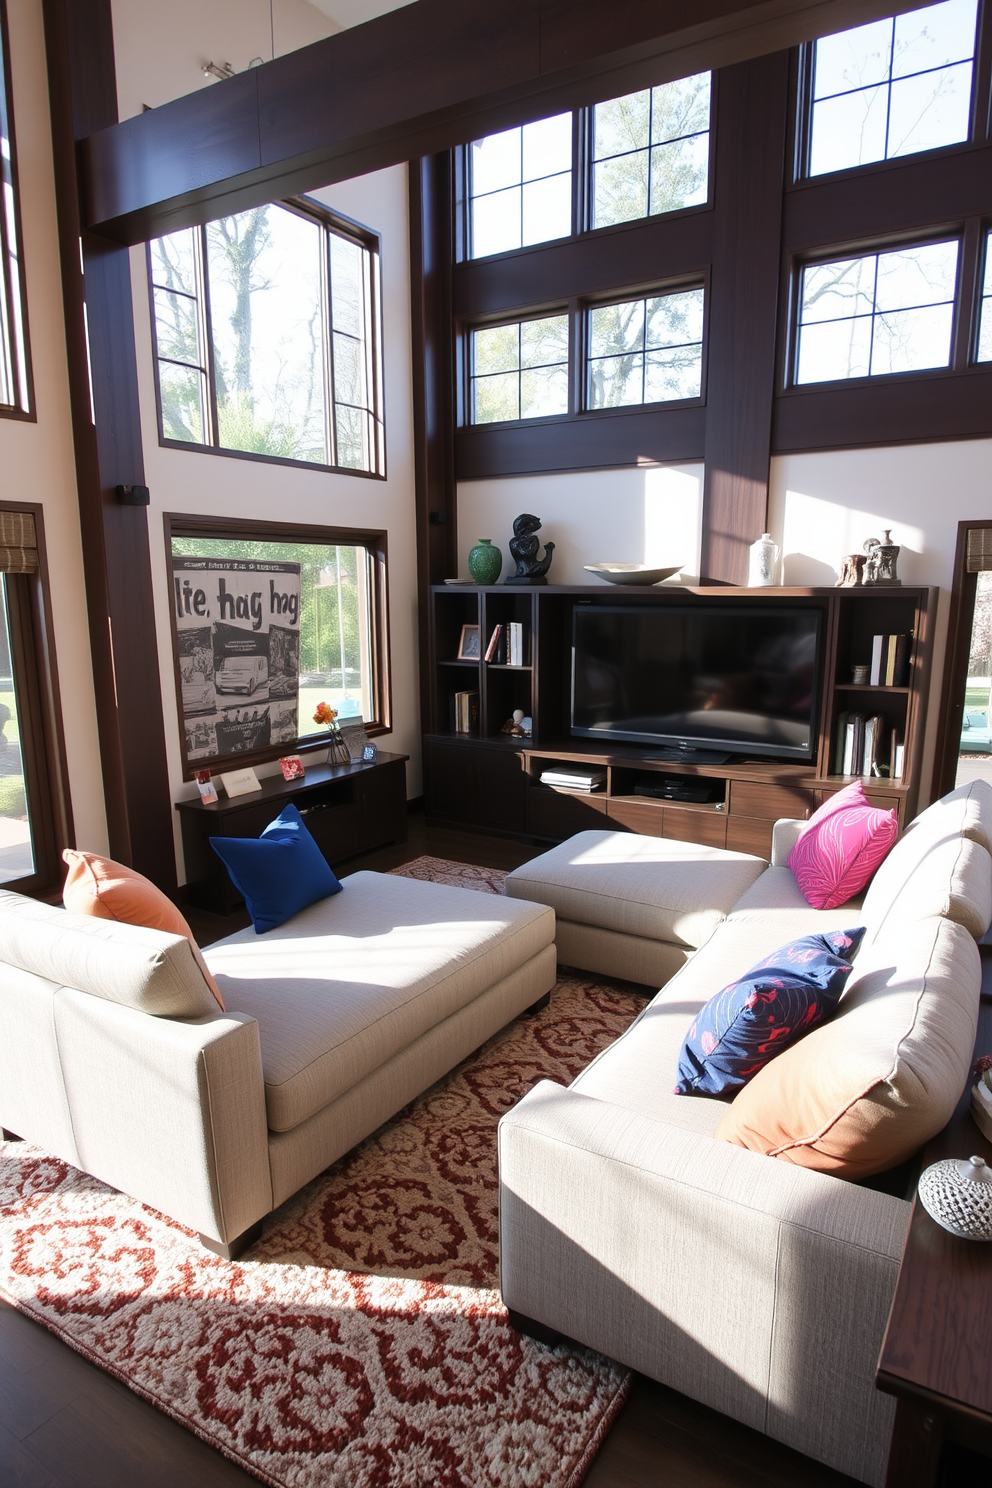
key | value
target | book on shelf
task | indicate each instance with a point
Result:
(493, 646)
(515, 643)
(860, 746)
(466, 712)
(896, 756)
(580, 778)
(889, 661)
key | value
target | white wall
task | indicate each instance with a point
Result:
(649, 515)
(191, 482)
(161, 48)
(37, 458)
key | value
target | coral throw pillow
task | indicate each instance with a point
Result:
(840, 847)
(108, 891)
(748, 1023)
(279, 873)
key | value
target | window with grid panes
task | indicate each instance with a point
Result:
(985, 322)
(646, 350)
(267, 338)
(877, 313)
(892, 87)
(15, 385)
(519, 370)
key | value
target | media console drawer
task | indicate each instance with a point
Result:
(749, 834)
(769, 802)
(552, 813)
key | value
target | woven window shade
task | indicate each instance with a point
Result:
(18, 543)
(979, 558)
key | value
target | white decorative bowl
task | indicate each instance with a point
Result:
(957, 1193)
(630, 573)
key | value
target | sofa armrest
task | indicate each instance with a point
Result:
(170, 1111)
(760, 1288)
(785, 835)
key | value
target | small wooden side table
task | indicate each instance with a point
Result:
(936, 1358)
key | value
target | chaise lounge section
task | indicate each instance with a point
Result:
(658, 1228)
(115, 1056)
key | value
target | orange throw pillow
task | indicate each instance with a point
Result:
(107, 890)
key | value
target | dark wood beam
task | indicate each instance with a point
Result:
(751, 128)
(107, 442)
(412, 83)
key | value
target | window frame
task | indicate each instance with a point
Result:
(332, 222)
(28, 413)
(979, 116)
(577, 308)
(582, 184)
(962, 331)
(189, 525)
(39, 708)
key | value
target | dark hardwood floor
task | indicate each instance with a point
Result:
(66, 1424)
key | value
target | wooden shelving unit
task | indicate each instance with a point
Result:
(490, 780)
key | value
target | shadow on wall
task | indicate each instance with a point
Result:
(817, 533)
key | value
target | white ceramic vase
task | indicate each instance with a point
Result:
(762, 568)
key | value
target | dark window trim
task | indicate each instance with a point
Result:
(577, 308)
(979, 106)
(343, 226)
(29, 414)
(179, 524)
(964, 587)
(792, 275)
(582, 199)
(43, 753)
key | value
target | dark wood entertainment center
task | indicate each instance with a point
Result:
(487, 779)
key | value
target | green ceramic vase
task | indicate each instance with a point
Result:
(485, 561)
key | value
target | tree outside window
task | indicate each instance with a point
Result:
(266, 338)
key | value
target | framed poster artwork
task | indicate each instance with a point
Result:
(468, 644)
(238, 646)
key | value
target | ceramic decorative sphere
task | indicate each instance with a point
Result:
(957, 1193)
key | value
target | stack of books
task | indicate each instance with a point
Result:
(581, 778)
(862, 748)
(889, 661)
(466, 710)
(506, 645)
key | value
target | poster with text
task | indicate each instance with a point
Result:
(238, 632)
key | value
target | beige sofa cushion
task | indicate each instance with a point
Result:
(350, 981)
(776, 900)
(921, 877)
(865, 1090)
(650, 886)
(148, 970)
(639, 1070)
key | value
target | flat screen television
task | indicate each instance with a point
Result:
(711, 678)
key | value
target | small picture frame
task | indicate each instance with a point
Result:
(370, 753)
(292, 767)
(206, 787)
(468, 644)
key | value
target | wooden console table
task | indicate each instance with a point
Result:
(349, 809)
(937, 1355)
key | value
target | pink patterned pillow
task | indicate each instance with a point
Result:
(840, 847)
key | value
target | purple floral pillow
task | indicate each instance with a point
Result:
(752, 1020)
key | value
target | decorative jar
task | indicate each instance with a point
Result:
(957, 1193)
(485, 561)
(762, 568)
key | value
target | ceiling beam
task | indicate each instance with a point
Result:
(414, 81)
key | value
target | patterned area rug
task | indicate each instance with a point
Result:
(362, 1342)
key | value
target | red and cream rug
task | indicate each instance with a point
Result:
(362, 1342)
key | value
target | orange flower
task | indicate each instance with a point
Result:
(325, 714)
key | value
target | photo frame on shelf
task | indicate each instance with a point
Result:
(468, 643)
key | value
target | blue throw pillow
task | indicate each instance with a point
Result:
(752, 1020)
(280, 872)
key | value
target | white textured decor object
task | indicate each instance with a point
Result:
(762, 568)
(957, 1193)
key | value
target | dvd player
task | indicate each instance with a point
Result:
(680, 788)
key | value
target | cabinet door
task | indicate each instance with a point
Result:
(709, 828)
(770, 802)
(475, 786)
(749, 835)
(380, 795)
(633, 812)
(874, 798)
(557, 814)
